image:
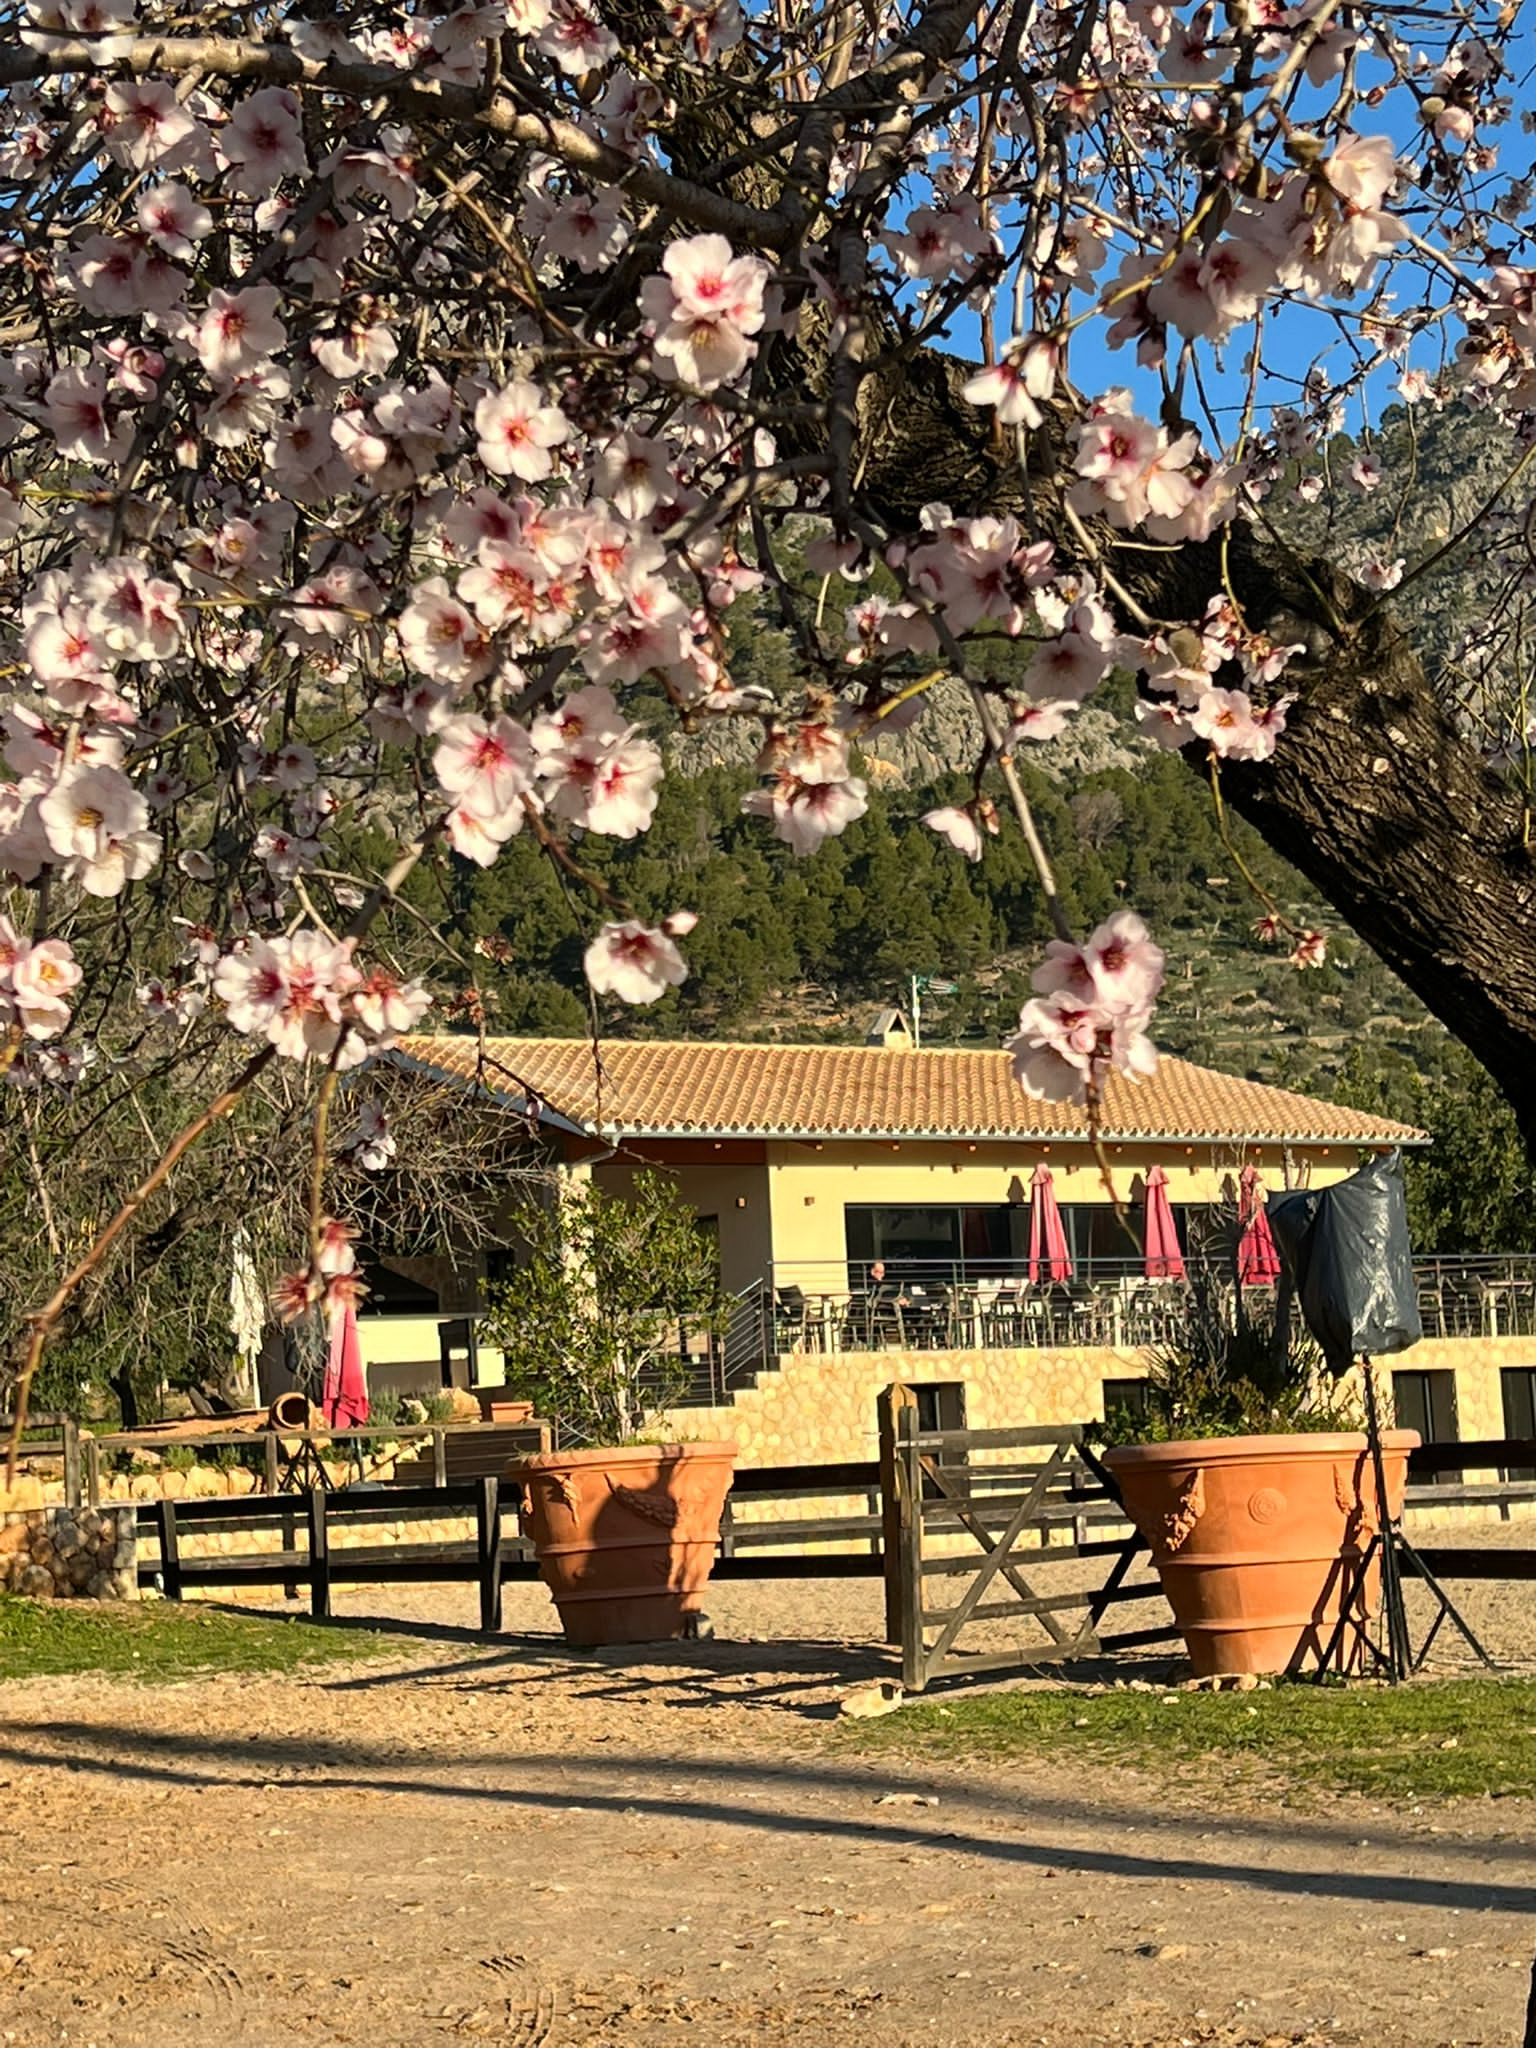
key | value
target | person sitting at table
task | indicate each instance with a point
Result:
(884, 1299)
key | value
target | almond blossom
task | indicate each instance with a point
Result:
(291, 991)
(806, 813)
(239, 330)
(263, 142)
(635, 962)
(1091, 1011)
(96, 824)
(488, 765)
(704, 310)
(961, 827)
(36, 980)
(517, 429)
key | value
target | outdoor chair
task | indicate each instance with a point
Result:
(789, 1319)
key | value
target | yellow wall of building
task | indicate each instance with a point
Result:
(737, 1195)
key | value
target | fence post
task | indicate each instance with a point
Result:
(488, 1539)
(71, 1434)
(909, 1498)
(269, 1453)
(92, 1472)
(891, 1401)
(439, 1458)
(170, 1549)
(319, 1557)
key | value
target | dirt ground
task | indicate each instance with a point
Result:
(502, 1841)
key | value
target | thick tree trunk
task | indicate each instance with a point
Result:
(1377, 798)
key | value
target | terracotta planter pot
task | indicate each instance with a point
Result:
(626, 1538)
(1258, 1539)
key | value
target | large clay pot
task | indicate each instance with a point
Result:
(626, 1538)
(1258, 1540)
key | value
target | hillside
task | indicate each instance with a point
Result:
(811, 949)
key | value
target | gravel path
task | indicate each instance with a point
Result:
(503, 1841)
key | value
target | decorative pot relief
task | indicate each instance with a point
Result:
(661, 1508)
(1180, 1522)
(1266, 1504)
(1360, 1511)
(567, 1491)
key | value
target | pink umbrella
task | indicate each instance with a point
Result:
(344, 1403)
(1164, 1259)
(1258, 1263)
(1047, 1239)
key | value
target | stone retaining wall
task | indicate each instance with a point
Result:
(69, 1553)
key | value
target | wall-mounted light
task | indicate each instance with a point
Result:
(741, 1201)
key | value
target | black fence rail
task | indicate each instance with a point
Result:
(1512, 1462)
(304, 1552)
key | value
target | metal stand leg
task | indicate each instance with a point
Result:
(1399, 1658)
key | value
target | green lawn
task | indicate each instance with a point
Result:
(164, 1640)
(1431, 1741)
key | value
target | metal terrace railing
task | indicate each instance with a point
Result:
(917, 1307)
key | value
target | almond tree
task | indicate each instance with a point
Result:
(387, 395)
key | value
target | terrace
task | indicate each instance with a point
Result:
(1107, 1302)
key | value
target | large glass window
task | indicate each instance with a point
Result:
(1097, 1240)
(937, 1243)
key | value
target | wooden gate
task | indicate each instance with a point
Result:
(991, 1527)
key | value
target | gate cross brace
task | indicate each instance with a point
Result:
(997, 1555)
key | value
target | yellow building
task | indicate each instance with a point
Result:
(873, 1204)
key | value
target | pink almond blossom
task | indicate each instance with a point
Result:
(635, 962)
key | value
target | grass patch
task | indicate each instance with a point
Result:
(42, 1639)
(1454, 1740)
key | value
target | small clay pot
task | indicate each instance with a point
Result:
(625, 1538)
(1258, 1540)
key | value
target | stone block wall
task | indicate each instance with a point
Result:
(69, 1553)
(819, 1407)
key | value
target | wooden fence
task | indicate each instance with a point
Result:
(980, 1523)
(303, 1527)
(292, 1461)
(965, 1527)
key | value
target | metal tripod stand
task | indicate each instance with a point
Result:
(1396, 1659)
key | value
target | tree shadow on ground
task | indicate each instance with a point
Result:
(722, 1794)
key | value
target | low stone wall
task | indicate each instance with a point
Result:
(69, 1553)
(819, 1407)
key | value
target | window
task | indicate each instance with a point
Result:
(1518, 1383)
(1126, 1397)
(402, 1287)
(708, 1228)
(1426, 1401)
(941, 1405)
(932, 1243)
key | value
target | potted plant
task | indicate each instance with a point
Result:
(595, 1323)
(1250, 1478)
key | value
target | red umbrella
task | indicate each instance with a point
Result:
(1047, 1239)
(344, 1403)
(1258, 1263)
(1164, 1259)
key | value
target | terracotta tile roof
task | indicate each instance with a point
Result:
(679, 1088)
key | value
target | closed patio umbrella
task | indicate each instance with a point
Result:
(1048, 1255)
(1258, 1263)
(1164, 1259)
(344, 1402)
